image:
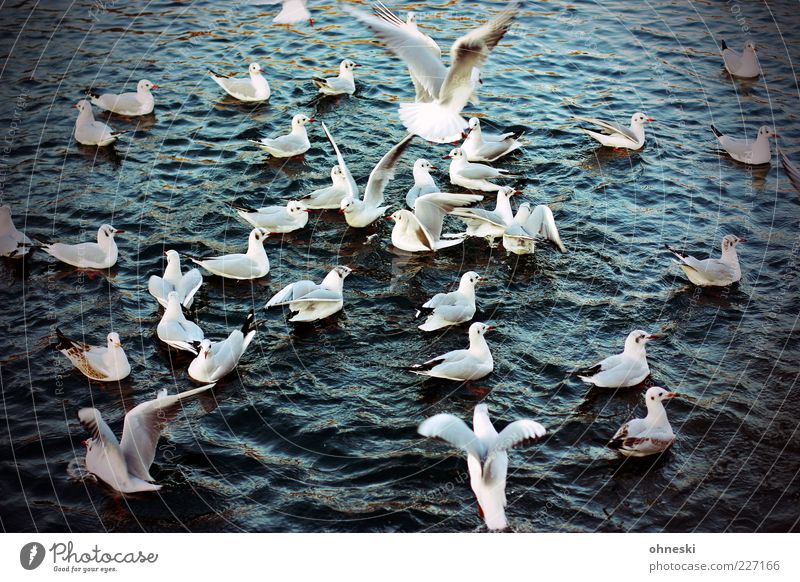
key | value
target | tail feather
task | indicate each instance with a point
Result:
(319, 82)
(93, 93)
(433, 323)
(426, 366)
(249, 323)
(724, 45)
(675, 252)
(215, 74)
(241, 207)
(432, 121)
(717, 132)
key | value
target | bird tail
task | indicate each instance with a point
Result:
(723, 45)
(241, 207)
(674, 252)
(319, 82)
(433, 122)
(586, 379)
(433, 323)
(717, 132)
(215, 74)
(93, 93)
(64, 343)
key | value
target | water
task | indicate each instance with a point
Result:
(317, 431)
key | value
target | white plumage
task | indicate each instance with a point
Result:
(215, 360)
(184, 284)
(251, 265)
(129, 104)
(13, 243)
(253, 89)
(651, 435)
(473, 363)
(311, 301)
(454, 308)
(292, 144)
(623, 370)
(421, 231)
(177, 331)
(88, 255)
(719, 272)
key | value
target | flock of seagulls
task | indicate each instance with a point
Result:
(441, 93)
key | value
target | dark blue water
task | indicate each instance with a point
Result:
(317, 430)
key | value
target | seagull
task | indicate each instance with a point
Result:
(423, 182)
(90, 132)
(484, 147)
(13, 243)
(254, 264)
(275, 219)
(719, 272)
(329, 198)
(792, 171)
(251, 90)
(436, 115)
(487, 455)
(471, 175)
(744, 65)
(421, 230)
(89, 255)
(650, 435)
(748, 151)
(216, 360)
(529, 227)
(104, 364)
(185, 284)
(291, 144)
(461, 365)
(488, 224)
(125, 465)
(362, 212)
(454, 308)
(312, 302)
(177, 331)
(618, 136)
(292, 11)
(622, 370)
(344, 84)
(130, 104)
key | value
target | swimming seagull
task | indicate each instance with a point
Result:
(618, 136)
(344, 84)
(748, 151)
(472, 175)
(177, 331)
(251, 265)
(102, 363)
(487, 455)
(216, 360)
(792, 171)
(454, 308)
(275, 219)
(436, 116)
(13, 243)
(529, 227)
(362, 212)
(251, 90)
(130, 104)
(184, 284)
(719, 272)
(125, 465)
(461, 365)
(90, 132)
(488, 224)
(744, 64)
(421, 230)
(88, 255)
(423, 182)
(331, 197)
(311, 301)
(650, 435)
(484, 147)
(622, 370)
(294, 143)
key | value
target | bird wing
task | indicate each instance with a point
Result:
(456, 312)
(188, 285)
(517, 433)
(159, 288)
(792, 171)
(478, 172)
(383, 172)
(79, 254)
(353, 188)
(92, 420)
(453, 431)
(541, 222)
(480, 215)
(431, 209)
(292, 292)
(712, 269)
(235, 265)
(319, 295)
(610, 127)
(143, 426)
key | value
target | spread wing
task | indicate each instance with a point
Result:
(792, 171)
(352, 187)
(431, 209)
(541, 222)
(189, 284)
(92, 420)
(383, 172)
(292, 292)
(453, 431)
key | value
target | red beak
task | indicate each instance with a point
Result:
(389, 217)
(312, 120)
(655, 336)
(490, 328)
(671, 395)
(119, 231)
(156, 87)
(650, 119)
(447, 157)
(483, 279)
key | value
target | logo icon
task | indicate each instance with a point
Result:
(31, 555)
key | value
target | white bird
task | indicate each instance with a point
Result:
(744, 64)
(251, 265)
(614, 135)
(421, 230)
(471, 175)
(253, 89)
(177, 331)
(185, 284)
(275, 219)
(454, 308)
(88, 255)
(125, 465)
(423, 182)
(216, 360)
(487, 455)
(292, 11)
(13, 243)
(650, 435)
(102, 363)
(719, 272)
(362, 212)
(529, 227)
(311, 301)
(294, 143)
(622, 370)
(488, 224)
(130, 104)
(792, 171)
(461, 365)
(90, 132)
(748, 151)
(344, 84)
(483, 147)
(329, 198)
(438, 118)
